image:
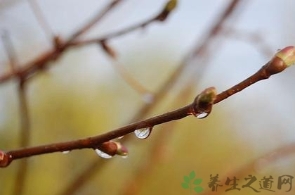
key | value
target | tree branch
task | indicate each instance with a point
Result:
(39, 63)
(161, 16)
(32, 67)
(201, 105)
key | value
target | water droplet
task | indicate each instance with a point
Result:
(143, 133)
(66, 151)
(120, 137)
(202, 115)
(126, 156)
(102, 154)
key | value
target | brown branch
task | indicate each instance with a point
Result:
(93, 142)
(202, 104)
(161, 16)
(276, 65)
(32, 67)
(93, 21)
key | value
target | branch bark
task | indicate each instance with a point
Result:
(202, 104)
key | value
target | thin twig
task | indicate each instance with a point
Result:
(93, 21)
(32, 67)
(41, 19)
(161, 16)
(37, 64)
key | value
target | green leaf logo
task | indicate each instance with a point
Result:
(189, 182)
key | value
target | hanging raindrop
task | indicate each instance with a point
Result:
(202, 115)
(102, 154)
(66, 151)
(143, 133)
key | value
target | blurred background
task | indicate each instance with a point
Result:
(85, 92)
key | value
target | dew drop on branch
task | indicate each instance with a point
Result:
(102, 154)
(66, 151)
(202, 115)
(143, 133)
